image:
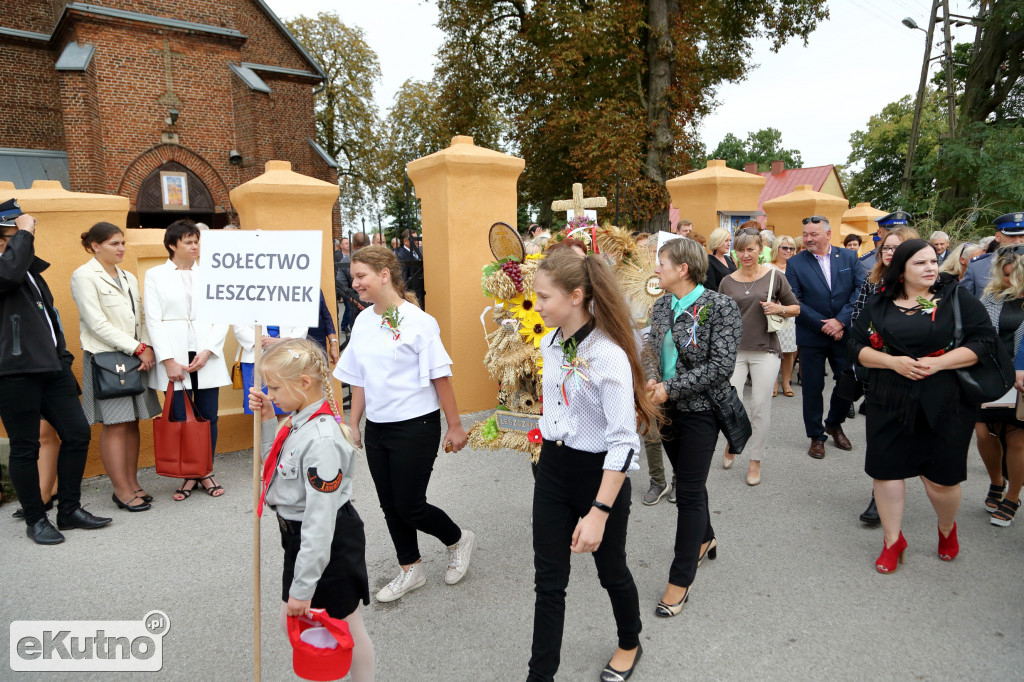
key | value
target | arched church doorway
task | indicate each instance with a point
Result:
(172, 192)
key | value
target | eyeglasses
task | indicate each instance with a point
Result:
(787, 248)
(815, 219)
(889, 249)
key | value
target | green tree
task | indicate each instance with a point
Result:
(347, 121)
(761, 147)
(603, 92)
(879, 154)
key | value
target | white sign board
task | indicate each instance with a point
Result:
(665, 238)
(268, 278)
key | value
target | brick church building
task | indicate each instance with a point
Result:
(170, 103)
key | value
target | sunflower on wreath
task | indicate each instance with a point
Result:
(532, 328)
(522, 306)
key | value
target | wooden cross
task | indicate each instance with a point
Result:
(169, 98)
(578, 203)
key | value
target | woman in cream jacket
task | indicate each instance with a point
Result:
(111, 319)
(186, 351)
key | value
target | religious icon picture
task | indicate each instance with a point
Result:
(174, 190)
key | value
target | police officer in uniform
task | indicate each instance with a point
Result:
(1009, 230)
(885, 223)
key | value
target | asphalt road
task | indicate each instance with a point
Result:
(793, 594)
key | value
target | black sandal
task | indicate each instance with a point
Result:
(212, 489)
(995, 496)
(183, 491)
(1004, 515)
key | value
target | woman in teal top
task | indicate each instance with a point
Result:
(694, 334)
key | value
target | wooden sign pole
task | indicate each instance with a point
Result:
(257, 470)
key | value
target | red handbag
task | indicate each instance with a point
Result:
(181, 449)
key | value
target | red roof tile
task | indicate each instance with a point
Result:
(787, 181)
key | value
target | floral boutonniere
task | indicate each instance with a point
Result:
(927, 306)
(702, 314)
(572, 365)
(390, 320)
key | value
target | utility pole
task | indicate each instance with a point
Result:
(911, 147)
(948, 51)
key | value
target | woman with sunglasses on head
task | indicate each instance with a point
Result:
(785, 248)
(919, 422)
(1000, 433)
(759, 291)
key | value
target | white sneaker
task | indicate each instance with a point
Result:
(405, 581)
(458, 558)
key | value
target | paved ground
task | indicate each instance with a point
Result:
(792, 596)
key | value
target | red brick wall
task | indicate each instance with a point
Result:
(30, 116)
(111, 117)
(28, 15)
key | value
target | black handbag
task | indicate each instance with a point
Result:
(732, 420)
(992, 376)
(115, 375)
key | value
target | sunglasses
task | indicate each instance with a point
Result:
(814, 219)
(787, 248)
(1015, 249)
(752, 231)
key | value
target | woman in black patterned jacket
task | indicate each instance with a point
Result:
(690, 355)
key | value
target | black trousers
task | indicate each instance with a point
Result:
(567, 483)
(53, 396)
(206, 401)
(812, 377)
(401, 459)
(690, 439)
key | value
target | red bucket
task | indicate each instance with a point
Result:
(321, 646)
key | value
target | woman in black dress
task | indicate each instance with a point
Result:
(720, 263)
(1000, 434)
(918, 421)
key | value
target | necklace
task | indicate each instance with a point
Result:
(746, 290)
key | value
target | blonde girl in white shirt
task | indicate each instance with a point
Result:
(593, 394)
(400, 375)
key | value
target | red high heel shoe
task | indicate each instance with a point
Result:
(948, 545)
(886, 562)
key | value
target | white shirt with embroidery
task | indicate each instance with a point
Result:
(395, 373)
(600, 415)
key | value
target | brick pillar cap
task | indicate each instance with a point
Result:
(462, 139)
(277, 166)
(715, 163)
(804, 188)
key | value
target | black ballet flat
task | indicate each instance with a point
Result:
(128, 506)
(610, 674)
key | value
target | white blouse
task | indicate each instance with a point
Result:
(395, 373)
(600, 416)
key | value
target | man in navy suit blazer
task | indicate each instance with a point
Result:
(826, 304)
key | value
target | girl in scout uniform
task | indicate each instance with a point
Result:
(307, 482)
(594, 392)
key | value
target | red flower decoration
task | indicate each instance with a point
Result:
(876, 341)
(534, 436)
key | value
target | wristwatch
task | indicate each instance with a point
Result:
(602, 506)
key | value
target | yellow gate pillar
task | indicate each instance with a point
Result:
(464, 189)
(63, 216)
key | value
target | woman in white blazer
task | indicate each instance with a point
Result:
(186, 351)
(111, 319)
(245, 334)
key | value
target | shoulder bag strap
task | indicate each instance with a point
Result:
(958, 327)
(771, 283)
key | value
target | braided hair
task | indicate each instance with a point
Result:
(290, 359)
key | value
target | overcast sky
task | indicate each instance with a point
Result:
(855, 63)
